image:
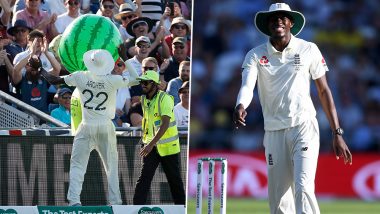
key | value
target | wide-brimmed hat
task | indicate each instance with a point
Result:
(99, 61)
(124, 9)
(19, 23)
(150, 75)
(261, 18)
(136, 21)
(181, 20)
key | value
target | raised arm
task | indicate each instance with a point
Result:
(52, 79)
(17, 72)
(132, 73)
(53, 61)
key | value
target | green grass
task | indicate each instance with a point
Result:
(252, 206)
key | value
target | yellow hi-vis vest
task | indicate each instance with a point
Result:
(76, 111)
(169, 142)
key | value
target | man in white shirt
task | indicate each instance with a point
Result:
(283, 68)
(143, 47)
(97, 90)
(181, 110)
(63, 20)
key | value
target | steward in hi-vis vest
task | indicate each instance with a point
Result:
(160, 140)
(153, 109)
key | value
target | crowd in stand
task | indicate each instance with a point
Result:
(156, 36)
(346, 33)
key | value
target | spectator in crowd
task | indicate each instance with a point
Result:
(56, 6)
(106, 10)
(71, 13)
(37, 19)
(180, 27)
(168, 16)
(6, 68)
(123, 96)
(135, 115)
(21, 4)
(117, 5)
(181, 109)
(175, 84)
(31, 87)
(142, 26)
(126, 13)
(179, 52)
(62, 113)
(19, 31)
(143, 46)
(150, 63)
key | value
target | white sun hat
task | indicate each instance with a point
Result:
(99, 61)
(261, 18)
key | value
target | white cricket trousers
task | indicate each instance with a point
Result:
(292, 156)
(99, 135)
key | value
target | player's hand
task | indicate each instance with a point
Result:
(146, 149)
(341, 149)
(239, 116)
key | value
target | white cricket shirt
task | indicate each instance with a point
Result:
(97, 94)
(283, 82)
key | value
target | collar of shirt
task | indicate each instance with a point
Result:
(33, 16)
(271, 50)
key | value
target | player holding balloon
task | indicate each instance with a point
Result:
(97, 90)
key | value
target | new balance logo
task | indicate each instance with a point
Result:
(270, 159)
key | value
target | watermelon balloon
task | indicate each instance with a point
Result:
(86, 33)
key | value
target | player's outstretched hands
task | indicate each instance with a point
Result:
(341, 149)
(239, 116)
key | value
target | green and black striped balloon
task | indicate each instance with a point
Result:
(86, 33)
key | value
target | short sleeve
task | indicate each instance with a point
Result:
(167, 105)
(318, 65)
(119, 81)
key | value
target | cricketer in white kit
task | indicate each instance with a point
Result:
(97, 89)
(283, 68)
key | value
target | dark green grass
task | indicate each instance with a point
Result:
(248, 206)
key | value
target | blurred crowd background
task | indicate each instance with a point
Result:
(346, 32)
